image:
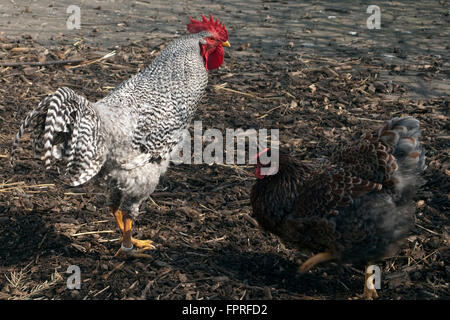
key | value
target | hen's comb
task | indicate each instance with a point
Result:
(217, 27)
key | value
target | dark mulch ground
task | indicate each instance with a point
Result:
(208, 247)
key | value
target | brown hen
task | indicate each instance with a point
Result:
(354, 206)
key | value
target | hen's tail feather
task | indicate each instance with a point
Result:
(69, 117)
(402, 135)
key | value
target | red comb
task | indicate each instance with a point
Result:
(217, 27)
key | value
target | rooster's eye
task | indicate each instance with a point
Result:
(212, 41)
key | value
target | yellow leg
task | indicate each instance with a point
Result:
(125, 224)
(316, 259)
(369, 293)
(126, 235)
(118, 216)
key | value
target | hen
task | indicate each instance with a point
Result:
(354, 206)
(128, 136)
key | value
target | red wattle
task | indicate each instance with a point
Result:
(258, 173)
(214, 59)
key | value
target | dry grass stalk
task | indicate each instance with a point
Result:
(19, 186)
(91, 232)
(86, 63)
(23, 289)
(223, 85)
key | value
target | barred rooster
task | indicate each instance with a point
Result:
(128, 136)
(354, 206)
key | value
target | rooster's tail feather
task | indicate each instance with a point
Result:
(65, 126)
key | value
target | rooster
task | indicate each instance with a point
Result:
(354, 206)
(127, 137)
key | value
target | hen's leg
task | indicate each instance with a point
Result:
(125, 223)
(370, 292)
(316, 259)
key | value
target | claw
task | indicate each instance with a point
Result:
(143, 244)
(131, 253)
(368, 294)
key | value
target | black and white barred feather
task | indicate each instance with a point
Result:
(66, 127)
(132, 131)
(165, 95)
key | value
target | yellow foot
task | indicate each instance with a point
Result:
(368, 294)
(316, 259)
(142, 244)
(123, 253)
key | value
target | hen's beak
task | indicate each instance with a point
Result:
(226, 44)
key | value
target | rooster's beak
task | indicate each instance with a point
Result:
(226, 44)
